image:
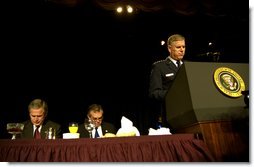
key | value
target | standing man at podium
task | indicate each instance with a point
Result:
(163, 73)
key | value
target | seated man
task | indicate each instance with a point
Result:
(95, 114)
(38, 124)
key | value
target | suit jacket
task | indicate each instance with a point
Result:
(28, 129)
(105, 126)
(162, 74)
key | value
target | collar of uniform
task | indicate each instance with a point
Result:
(174, 61)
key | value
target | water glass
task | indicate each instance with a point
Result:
(89, 126)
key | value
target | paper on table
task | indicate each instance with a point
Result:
(70, 135)
(127, 128)
(160, 131)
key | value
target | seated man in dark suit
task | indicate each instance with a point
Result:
(38, 124)
(95, 114)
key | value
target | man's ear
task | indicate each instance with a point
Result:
(169, 48)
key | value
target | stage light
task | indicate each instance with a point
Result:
(129, 9)
(119, 9)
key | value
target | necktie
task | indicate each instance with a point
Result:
(96, 133)
(178, 63)
(37, 134)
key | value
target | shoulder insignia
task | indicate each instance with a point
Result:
(158, 62)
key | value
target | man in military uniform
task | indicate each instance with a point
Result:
(163, 73)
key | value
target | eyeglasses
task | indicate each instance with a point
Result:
(97, 119)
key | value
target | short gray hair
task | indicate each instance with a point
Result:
(38, 103)
(175, 37)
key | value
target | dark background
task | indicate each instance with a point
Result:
(75, 55)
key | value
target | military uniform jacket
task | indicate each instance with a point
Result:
(162, 75)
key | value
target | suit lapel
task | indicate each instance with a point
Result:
(28, 132)
(44, 128)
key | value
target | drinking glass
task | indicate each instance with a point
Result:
(14, 129)
(89, 126)
(73, 127)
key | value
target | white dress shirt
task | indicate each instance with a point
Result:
(99, 130)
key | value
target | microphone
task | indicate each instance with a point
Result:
(214, 55)
(208, 54)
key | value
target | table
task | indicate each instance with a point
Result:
(161, 148)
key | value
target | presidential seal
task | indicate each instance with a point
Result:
(229, 82)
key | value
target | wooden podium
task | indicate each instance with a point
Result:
(195, 104)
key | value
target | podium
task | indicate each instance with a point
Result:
(196, 104)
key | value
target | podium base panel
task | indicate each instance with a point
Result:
(227, 140)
